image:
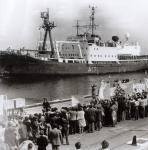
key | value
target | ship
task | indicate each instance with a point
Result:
(82, 54)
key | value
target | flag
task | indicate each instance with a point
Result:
(74, 101)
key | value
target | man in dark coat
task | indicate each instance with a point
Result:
(98, 124)
(91, 114)
(55, 137)
(65, 127)
(42, 141)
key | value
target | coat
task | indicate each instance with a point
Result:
(55, 137)
(91, 112)
(10, 136)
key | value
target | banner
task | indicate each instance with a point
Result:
(19, 102)
(104, 91)
(16, 103)
(3, 105)
(10, 104)
(127, 87)
(146, 83)
(139, 87)
(75, 101)
(112, 91)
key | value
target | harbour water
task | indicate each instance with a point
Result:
(58, 87)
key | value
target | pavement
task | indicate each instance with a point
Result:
(117, 136)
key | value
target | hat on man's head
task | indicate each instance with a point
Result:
(78, 145)
(105, 144)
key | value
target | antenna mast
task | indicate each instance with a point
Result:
(77, 27)
(47, 26)
(92, 19)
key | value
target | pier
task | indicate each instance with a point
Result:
(58, 103)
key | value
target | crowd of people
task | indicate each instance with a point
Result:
(54, 126)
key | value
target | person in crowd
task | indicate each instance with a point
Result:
(55, 137)
(128, 108)
(78, 146)
(81, 119)
(91, 114)
(105, 145)
(42, 141)
(98, 123)
(27, 145)
(114, 113)
(35, 128)
(10, 135)
(132, 102)
(27, 122)
(73, 120)
(107, 119)
(22, 131)
(141, 107)
(46, 105)
(93, 91)
(3, 145)
(64, 122)
(136, 109)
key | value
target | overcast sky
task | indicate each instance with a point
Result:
(20, 20)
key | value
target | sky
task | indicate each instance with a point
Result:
(20, 20)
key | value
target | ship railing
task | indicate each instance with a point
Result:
(142, 57)
(68, 42)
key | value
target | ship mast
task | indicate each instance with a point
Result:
(47, 26)
(92, 19)
(77, 27)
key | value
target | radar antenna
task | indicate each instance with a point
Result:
(47, 26)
